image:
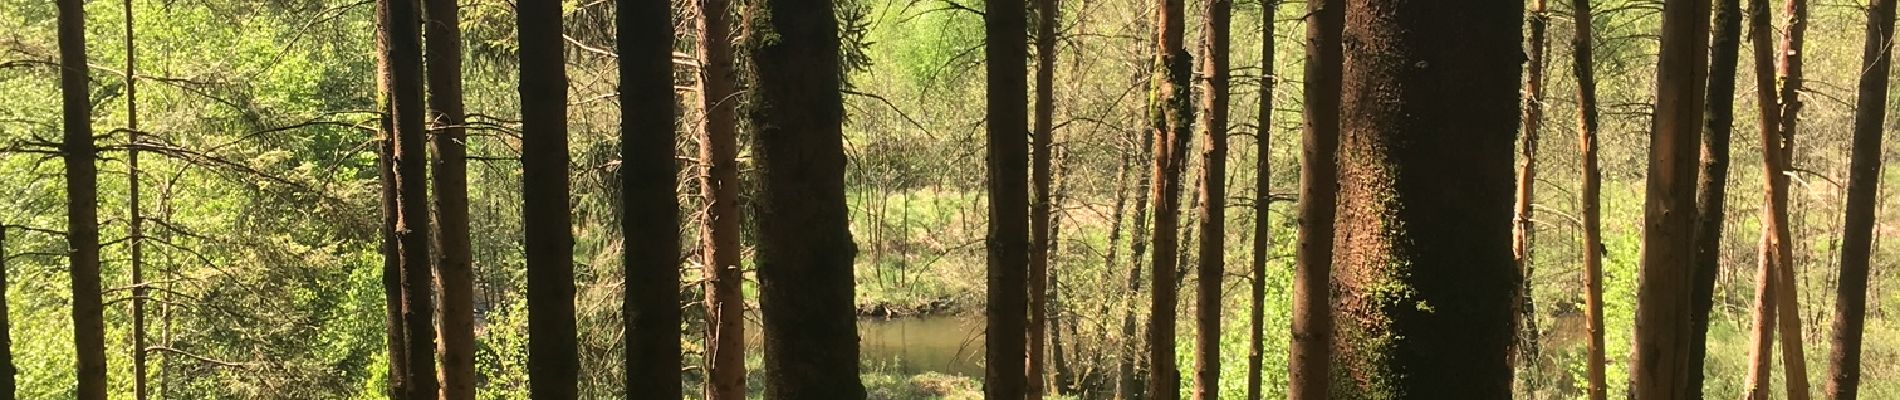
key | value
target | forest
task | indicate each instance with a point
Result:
(948, 199)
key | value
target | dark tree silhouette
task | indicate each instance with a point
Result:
(1041, 235)
(1005, 37)
(1262, 204)
(649, 207)
(1718, 124)
(1870, 112)
(553, 356)
(1213, 204)
(453, 270)
(82, 202)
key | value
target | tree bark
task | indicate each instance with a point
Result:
(135, 222)
(1172, 126)
(1761, 358)
(1129, 386)
(1040, 239)
(1310, 374)
(1778, 167)
(7, 369)
(392, 266)
(1660, 359)
(1863, 182)
(805, 250)
(1712, 180)
(1523, 227)
(719, 181)
(1592, 193)
(553, 356)
(1009, 239)
(649, 208)
(402, 38)
(1427, 282)
(82, 202)
(1213, 204)
(454, 274)
(1262, 204)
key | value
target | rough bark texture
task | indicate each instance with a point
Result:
(1262, 205)
(1005, 30)
(1040, 232)
(1712, 180)
(1522, 227)
(1756, 382)
(401, 32)
(649, 208)
(805, 250)
(1778, 165)
(7, 369)
(1172, 124)
(1213, 204)
(1310, 373)
(392, 269)
(1424, 243)
(1592, 194)
(1870, 113)
(553, 357)
(1129, 386)
(455, 278)
(719, 182)
(135, 222)
(1660, 359)
(82, 200)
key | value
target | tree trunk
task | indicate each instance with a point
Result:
(649, 208)
(1213, 212)
(1778, 167)
(402, 37)
(82, 202)
(392, 267)
(1310, 375)
(1262, 205)
(135, 223)
(1009, 238)
(1064, 383)
(1129, 386)
(1427, 283)
(805, 250)
(1523, 227)
(1659, 360)
(553, 356)
(7, 369)
(1592, 194)
(1712, 180)
(1172, 125)
(1870, 112)
(1041, 239)
(454, 273)
(719, 182)
(1761, 358)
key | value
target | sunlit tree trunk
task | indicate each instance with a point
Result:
(82, 202)
(1040, 238)
(1309, 375)
(392, 267)
(135, 223)
(1592, 193)
(1213, 204)
(1424, 241)
(649, 202)
(1761, 350)
(1712, 180)
(1005, 29)
(399, 26)
(454, 276)
(1262, 204)
(553, 356)
(805, 250)
(1523, 227)
(1659, 363)
(719, 182)
(1863, 182)
(1777, 168)
(1172, 124)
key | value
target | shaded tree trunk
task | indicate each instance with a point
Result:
(454, 272)
(1427, 281)
(82, 202)
(1129, 386)
(1863, 182)
(1172, 124)
(1523, 226)
(7, 369)
(1309, 377)
(135, 223)
(553, 356)
(1064, 383)
(1213, 204)
(1004, 24)
(1761, 356)
(1040, 232)
(719, 182)
(1262, 204)
(1660, 359)
(805, 250)
(649, 208)
(401, 32)
(1778, 167)
(1712, 180)
(392, 266)
(1592, 193)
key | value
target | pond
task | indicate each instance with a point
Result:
(949, 344)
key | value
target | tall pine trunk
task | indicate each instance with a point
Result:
(1863, 182)
(402, 37)
(455, 277)
(1778, 165)
(1523, 227)
(82, 202)
(1213, 204)
(1172, 124)
(1660, 358)
(719, 182)
(1424, 240)
(1129, 385)
(1761, 359)
(1005, 29)
(1583, 67)
(394, 331)
(805, 250)
(553, 356)
(135, 223)
(1262, 204)
(649, 202)
(1310, 374)
(1040, 233)
(1718, 124)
